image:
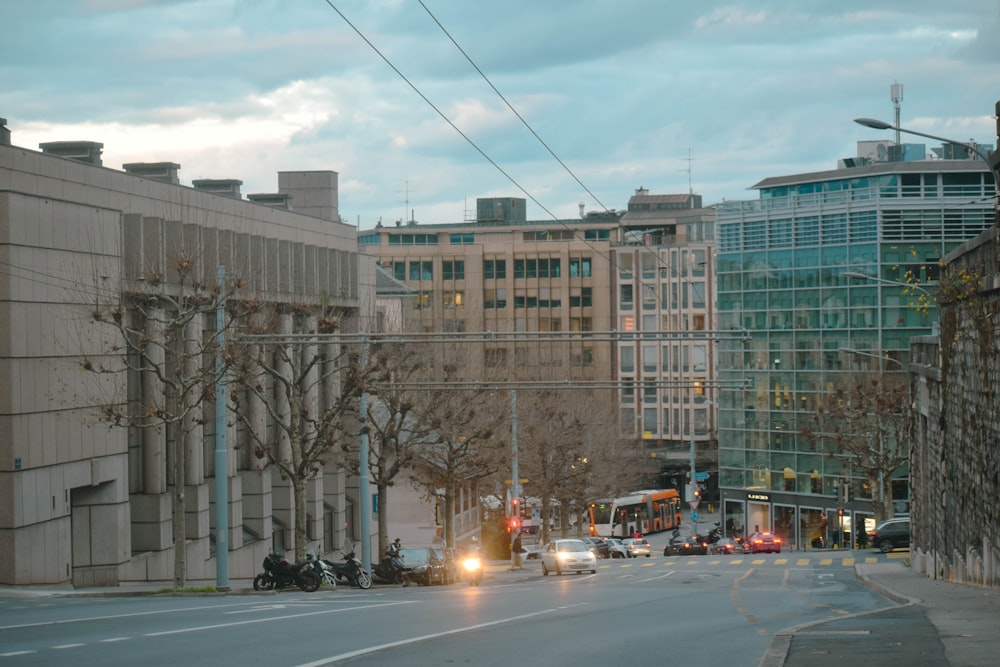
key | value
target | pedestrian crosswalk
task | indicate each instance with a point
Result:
(818, 560)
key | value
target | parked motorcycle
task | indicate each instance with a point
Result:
(279, 573)
(473, 566)
(392, 568)
(322, 568)
(350, 570)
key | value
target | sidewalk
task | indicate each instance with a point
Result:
(935, 623)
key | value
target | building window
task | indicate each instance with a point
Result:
(625, 297)
(581, 297)
(494, 299)
(584, 357)
(453, 270)
(581, 324)
(519, 268)
(423, 301)
(454, 299)
(399, 270)
(496, 357)
(579, 267)
(627, 359)
(467, 238)
(454, 326)
(421, 270)
(494, 269)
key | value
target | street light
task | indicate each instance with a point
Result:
(882, 125)
(851, 350)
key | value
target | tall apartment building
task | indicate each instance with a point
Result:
(665, 297)
(638, 273)
(782, 261)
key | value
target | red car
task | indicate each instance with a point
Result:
(765, 542)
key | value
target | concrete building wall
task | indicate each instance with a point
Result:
(77, 504)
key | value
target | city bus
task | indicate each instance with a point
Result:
(649, 511)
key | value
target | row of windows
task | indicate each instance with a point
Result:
(666, 358)
(855, 227)
(499, 357)
(496, 298)
(493, 269)
(469, 238)
(672, 295)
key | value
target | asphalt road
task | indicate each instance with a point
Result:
(718, 610)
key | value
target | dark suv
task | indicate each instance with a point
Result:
(891, 534)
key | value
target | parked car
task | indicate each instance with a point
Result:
(765, 542)
(693, 546)
(727, 546)
(891, 534)
(616, 548)
(598, 546)
(426, 568)
(568, 555)
(637, 546)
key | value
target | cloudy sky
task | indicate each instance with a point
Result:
(422, 106)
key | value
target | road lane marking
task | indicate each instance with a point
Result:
(111, 640)
(234, 624)
(802, 561)
(60, 647)
(114, 616)
(420, 638)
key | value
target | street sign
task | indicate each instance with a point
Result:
(694, 516)
(694, 504)
(701, 476)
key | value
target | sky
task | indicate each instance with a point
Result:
(423, 106)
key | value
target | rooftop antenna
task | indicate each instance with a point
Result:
(406, 197)
(896, 93)
(688, 170)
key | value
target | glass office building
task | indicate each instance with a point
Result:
(781, 264)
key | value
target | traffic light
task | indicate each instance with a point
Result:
(514, 524)
(840, 512)
(515, 507)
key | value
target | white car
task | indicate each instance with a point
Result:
(569, 555)
(637, 546)
(616, 548)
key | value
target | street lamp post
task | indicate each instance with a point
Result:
(882, 125)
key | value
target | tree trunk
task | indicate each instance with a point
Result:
(179, 510)
(383, 519)
(301, 534)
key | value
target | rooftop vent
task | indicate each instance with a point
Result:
(226, 187)
(81, 151)
(165, 172)
(280, 200)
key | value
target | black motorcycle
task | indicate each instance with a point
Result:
(673, 547)
(350, 570)
(279, 573)
(392, 569)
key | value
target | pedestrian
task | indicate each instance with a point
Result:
(515, 550)
(862, 538)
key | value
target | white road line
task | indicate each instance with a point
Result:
(114, 616)
(63, 646)
(111, 640)
(662, 576)
(200, 628)
(413, 640)
(13, 654)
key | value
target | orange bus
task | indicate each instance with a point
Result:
(649, 511)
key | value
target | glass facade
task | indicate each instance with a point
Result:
(781, 265)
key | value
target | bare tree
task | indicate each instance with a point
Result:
(296, 396)
(467, 445)
(568, 450)
(396, 432)
(167, 346)
(866, 422)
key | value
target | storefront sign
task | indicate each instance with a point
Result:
(765, 497)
